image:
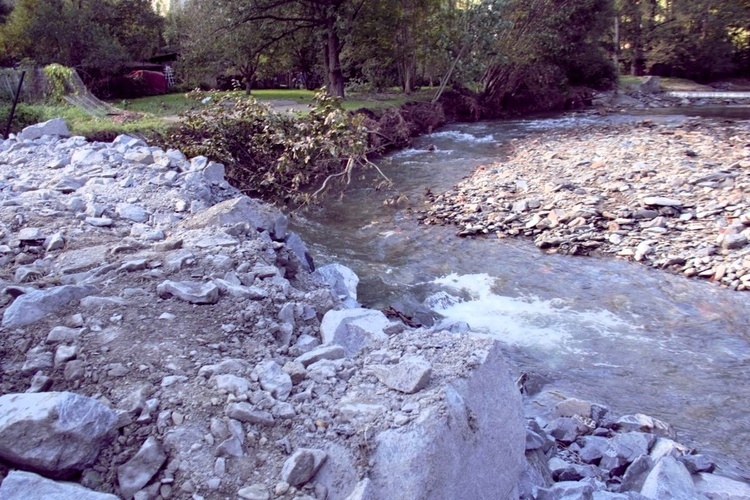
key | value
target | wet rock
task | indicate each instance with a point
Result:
(189, 291)
(410, 375)
(21, 485)
(302, 466)
(33, 306)
(138, 471)
(56, 433)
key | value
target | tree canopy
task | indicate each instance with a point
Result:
(95, 37)
(506, 48)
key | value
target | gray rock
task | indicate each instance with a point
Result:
(660, 201)
(31, 307)
(56, 433)
(242, 210)
(213, 173)
(410, 375)
(669, 479)
(244, 412)
(643, 423)
(21, 485)
(331, 352)
(343, 281)
(231, 383)
(636, 473)
(733, 241)
(717, 487)
(697, 463)
(566, 490)
(627, 446)
(189, 291)
(256, 491)
(56, 126)
(471, 446)
(230, 447)
(299, 249)
(572, 406)
(99, 221)
(132, 212)
(274, 379)
(302, 466)
(592, 448)
(353, 329)
(566, 429)
(30, 235)
(138, 471)
(241, 291)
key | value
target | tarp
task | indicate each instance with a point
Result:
(153, 82)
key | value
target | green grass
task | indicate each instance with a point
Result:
(174, 104)
(151, 111)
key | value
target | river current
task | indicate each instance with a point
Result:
(635, 339)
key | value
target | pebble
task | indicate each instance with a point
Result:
(661, 211)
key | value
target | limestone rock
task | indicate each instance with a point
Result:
(670, 479)
(302, 466)
(323, 352)
(56, 126)
(242, 210)
(469, 448)
(56, 433)
(33, 306)
(189, 291)
(274, 379)
(21, 485)
(343, 281)
(410, 375)
(138, 471)
(720, 488)
(353, 329)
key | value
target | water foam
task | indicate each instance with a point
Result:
(526, 321)
(462, 136)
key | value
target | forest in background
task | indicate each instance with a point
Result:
(501, 49)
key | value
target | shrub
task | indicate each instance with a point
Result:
(276, 156)
(24, 116)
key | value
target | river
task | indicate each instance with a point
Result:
(630, 337)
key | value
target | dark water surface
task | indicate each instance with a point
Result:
(613, 332)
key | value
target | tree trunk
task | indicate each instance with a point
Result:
(333, 62)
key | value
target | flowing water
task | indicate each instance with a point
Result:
(605, 330)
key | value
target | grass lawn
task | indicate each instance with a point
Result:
(149, 112)
(174, 104)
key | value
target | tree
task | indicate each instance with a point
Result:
(549, 45)
(94, 37)
(329, 20)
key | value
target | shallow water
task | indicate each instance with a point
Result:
(613, 332)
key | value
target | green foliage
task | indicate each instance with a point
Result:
(275, 155)
(59, 80)
(95, 37)
(24, 116)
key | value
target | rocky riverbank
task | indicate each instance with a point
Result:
(164, 337)
(671, 196)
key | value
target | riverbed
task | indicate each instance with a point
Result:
(634, 338)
